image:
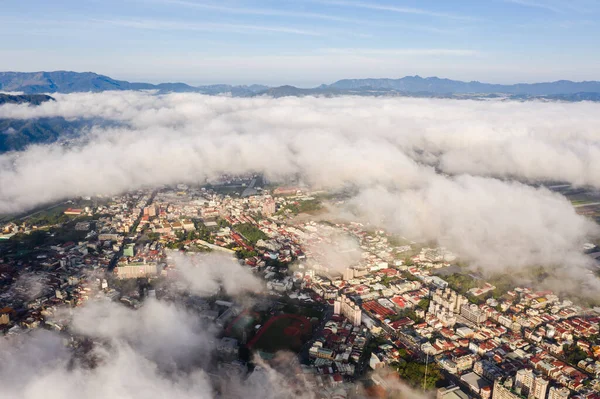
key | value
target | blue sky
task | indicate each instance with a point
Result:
(304, 42)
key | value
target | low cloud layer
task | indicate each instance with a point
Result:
(528, 140)
(436, 170)
(158, 351)
(431, 169)
(495, 225)
(204, 274)
(333, 251)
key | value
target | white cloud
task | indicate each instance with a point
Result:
(493, 224)
(158, 351)
(395, 9)
(401, 51)
(257, 11)
(387, 148)
(206, 27)
(205, 273)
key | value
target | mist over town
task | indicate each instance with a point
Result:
(312, 199)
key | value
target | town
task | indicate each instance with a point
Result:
(352, 301)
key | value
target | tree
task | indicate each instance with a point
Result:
(251, 232)
(424, 304)
(244, 253)
(153, 236)
(414, 373)
(574, 354)
(191, 235)
(386, 280)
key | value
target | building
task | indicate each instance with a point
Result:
(451, 392)
(529, 385)
(559, 393)
(449, 299)
(540, 388)
(345, 306)
(319, 352)
(472, 313)
(150, 211)
(487, 369)
(464, 362)
(268, 207)
(375, 362)
(524, 382)
(136, 270)
(348, 274)
(475, 382)
(73, 212)
(82, 226)
(228, 348)
(188, 225)
(503, 390)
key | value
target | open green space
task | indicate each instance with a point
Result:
(307, 206)
(250, 232)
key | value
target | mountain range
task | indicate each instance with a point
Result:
(33, 99)
(16, 134)
(70, 82)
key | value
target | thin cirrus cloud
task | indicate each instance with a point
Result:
(270, 12)
(153, 24)
(558, 6)
(257, 11)
(535, 4)
(395, 9)
(401, 51)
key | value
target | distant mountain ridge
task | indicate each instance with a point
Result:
(17, 134)
(73, 82)
(414, 86)
(33, 99)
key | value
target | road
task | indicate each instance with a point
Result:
(117, 255)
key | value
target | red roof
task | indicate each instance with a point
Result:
(377, 308)
(405, 321)
(398, 300)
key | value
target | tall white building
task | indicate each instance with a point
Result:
(345, 306)
(530, 385)
(268, 208)
(524, 382)
(559, 393)
(503, 390)
(472, 313)
(449, 299)
(540, 388)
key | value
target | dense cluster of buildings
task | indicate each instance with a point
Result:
(521, 343)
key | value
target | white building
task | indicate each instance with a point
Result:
(558, 393)
(345, 306)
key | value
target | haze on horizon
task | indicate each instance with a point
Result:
(304, 43)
